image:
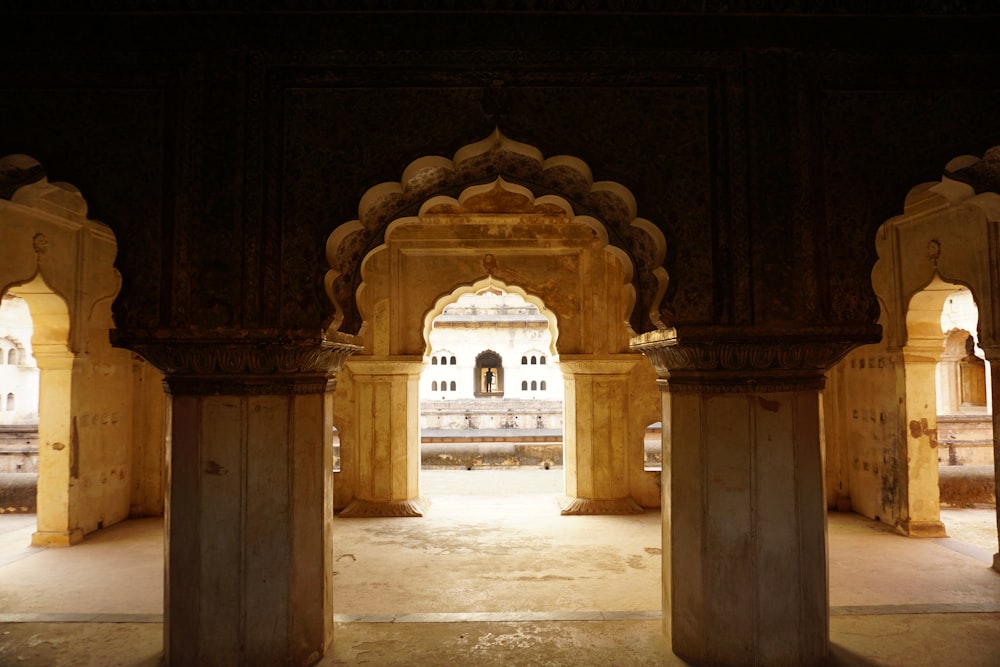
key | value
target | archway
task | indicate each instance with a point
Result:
(101, 413)
(881, 430)
(389, 265)
(491, 331)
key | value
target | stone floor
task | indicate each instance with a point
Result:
(492, 575)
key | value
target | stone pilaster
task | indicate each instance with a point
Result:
(745, 581)
(921, 514)
(249, 499)
(993, 357)
(58, 450)
(596, 434)
(384, 458)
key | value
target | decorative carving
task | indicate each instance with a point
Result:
(605, 205)
(934, 251)
(245, 365)
(737, 360)
(40, 243)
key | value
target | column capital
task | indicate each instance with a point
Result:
(242, 362)
(395, 365)
(733, 360)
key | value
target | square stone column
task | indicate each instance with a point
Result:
(249, 502)
(992, 356)
(383, 437)
(748, 533)
(744, 508)
(596, 431)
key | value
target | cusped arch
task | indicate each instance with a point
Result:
(947, 232)
(489, 282)
(51, 247)
(496, 230)
(560, 182)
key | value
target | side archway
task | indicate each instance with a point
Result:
(101, 410)
(881, 421)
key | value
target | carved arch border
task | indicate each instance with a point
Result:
(48, 235)
(947, 231)
(486, 283)
(562, 180)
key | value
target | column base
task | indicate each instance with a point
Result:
(391, 508)
(56, 538)
(922, 529)
(591, 506)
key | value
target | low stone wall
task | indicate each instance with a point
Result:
(967, 485)
(17, 492)
(19, 449)
(490, 454)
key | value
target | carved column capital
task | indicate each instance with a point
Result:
(260, 362)
(730, 360)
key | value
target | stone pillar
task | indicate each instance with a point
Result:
(249, 500)
(745, 572)
(385, 432)
(921, 513)
(597, 420)
(58, 449)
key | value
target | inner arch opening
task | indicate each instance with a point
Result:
(491, 392)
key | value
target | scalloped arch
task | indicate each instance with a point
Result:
(490, 281)
(563, 181)
(947, 231)
(50, 241)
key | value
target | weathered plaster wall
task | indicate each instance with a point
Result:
(865, 449)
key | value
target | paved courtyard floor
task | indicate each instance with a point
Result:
(493, 575)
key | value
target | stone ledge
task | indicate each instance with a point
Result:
(967, 485)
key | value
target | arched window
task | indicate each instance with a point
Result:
(444, 385)
(542, 386)
(524, 361)
(10, 402)
(434, 362)
(453, 361)
(541, 360)
(444, 361)
(534, 360)
(434, 386)
(453, 385)
(534, 385)
(524, 385)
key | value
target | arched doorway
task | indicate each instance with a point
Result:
(102, 410)
(390, 265)
(881, 404)
(490, 331)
